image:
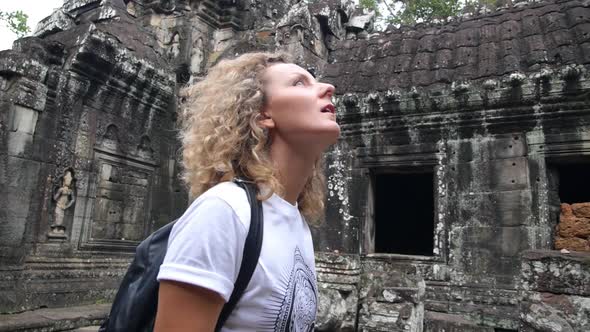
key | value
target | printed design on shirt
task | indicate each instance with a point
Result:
(294, 305)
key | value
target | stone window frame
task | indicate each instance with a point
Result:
(553, 147)
(392, 159)
(86, 242)
(546, 150)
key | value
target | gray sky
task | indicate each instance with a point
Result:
(36, 9)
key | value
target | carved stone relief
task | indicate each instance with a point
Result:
(122, 199)
(145, 149)
(197, 57)
(64, 196)
(174, 46)
(111, 138)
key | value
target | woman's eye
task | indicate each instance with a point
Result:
(299, 83)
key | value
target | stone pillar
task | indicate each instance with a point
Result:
(22, 100)
(339, 277)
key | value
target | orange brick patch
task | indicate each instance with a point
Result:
(573, 230)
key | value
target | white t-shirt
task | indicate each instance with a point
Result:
(206, 247)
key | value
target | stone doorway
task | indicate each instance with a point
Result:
(404, 213)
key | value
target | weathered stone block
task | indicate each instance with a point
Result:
(337, 309)
(361, 22)
(555, 272)
(494, 175)
(391, 297)
(87, 279)
(58, 21)
(377, 316)
(505, 209)
(10, 289)
(22, 119)
(28, 93)
(509, 174)
(16, 63)
(338, 281)
(71, 6)
(438, 321)
(500, 241)
(21, 180)
(555, 313)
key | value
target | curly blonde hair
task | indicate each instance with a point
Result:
(222, 139)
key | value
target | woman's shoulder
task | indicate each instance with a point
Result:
(232, 195)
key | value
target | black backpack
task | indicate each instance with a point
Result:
(136, 302)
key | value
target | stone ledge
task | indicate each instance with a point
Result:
(580, 257)
(438, 321)
(554, 272)
(54, 319)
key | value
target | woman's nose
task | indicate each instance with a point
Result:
(327, 90)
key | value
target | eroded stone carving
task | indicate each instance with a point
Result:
(93, 66)
(197, 57)
(174, 46)
(111, 139)
(64, 197)
(145, 148)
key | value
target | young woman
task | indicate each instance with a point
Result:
(262, 118)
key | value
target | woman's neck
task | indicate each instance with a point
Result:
(294, 167)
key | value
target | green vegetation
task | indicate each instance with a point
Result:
(409, 12)
(16, 21)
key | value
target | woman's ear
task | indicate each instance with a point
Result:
(266, 121)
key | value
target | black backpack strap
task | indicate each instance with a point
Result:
(251, 251)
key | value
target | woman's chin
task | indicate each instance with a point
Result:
(331, 135)
(317, 138)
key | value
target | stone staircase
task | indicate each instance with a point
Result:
(79, 319)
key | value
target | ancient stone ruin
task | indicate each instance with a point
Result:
(458, 192)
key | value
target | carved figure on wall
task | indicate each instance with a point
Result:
(110, 139)
(197, 56)
(174, 46)
(64, 197)
(145, 148)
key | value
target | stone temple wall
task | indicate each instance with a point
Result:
(88, 154)
(488, 114)
(494, 109)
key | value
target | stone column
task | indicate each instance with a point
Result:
(22, 100)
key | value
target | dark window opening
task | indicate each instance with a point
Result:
(574, 183)
(404, 213)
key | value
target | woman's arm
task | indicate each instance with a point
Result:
(183, 308)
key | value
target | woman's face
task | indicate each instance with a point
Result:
(298, 108)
